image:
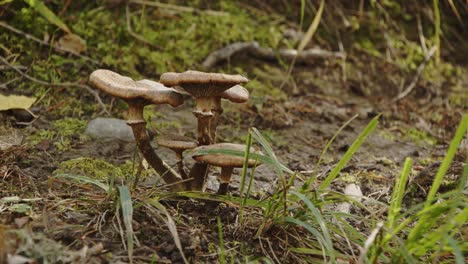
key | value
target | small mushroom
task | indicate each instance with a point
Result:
(178, 144)
(138, 94)
(225, 161)
(205, 87)
(235, 94)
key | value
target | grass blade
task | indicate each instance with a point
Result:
(457, 252)
(312, 28)
(171, 225)
(222, 258)
(127, 214)
(347, 156)
(437, 29)
(248, 143)
(398, 193)
(85, 179)
(47, 14)
(325, 150)
(459, 134)
(231, 200)
(318, 217)
(313, 231)
(427, 220)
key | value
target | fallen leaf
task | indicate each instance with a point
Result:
(15, 101)
(72, 43)
(9, 137)
(47, 14)
(43, 145)
(21, 221)
(20, 208)
(18, 259)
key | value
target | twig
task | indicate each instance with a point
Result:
(343, 59)
(422, 40)
(31, 37)
(254, 49)
(179, 8)
(5, 84)
(4, 67)
(83, 86)
(419, 71)
(369, 241)
(130, 30)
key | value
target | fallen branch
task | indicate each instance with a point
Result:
(83, 86)
(255, 50)
(419, 71)
(31, 37)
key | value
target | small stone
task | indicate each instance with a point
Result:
(109, 128)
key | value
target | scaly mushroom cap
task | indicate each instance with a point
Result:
(176, 142)
(224, 160)
(202, 84)
(236, 94)
(124, 87)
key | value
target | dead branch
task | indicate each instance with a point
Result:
(31, 37)
(83, 86)
(255, 50)
(225, 53)
(419, 71)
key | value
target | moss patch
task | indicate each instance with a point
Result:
(420, 137)
(100, 169)
(61, 133)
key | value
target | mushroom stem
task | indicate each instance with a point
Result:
(198, 174)
(180, 165)
(137, 123)
(225, 179)
(204, 115)
(217, 110)
(135, 111)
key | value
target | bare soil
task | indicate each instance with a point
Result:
(69, 219)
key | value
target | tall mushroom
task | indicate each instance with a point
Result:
(226, 162)
(178, 144)
(205, 87)
(138, 94)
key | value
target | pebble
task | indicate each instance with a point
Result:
(109, 128)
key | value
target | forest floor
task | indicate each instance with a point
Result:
(55, 219)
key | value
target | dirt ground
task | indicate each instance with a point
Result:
(68, 221)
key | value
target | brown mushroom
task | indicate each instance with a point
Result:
(178, 144)
(138, 94)
(235, 94)
(205, 87)
(225, 161)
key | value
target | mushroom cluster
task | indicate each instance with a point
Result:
(207, 89)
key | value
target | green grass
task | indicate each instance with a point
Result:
(424, 232)
(127, 214)
(431, 231)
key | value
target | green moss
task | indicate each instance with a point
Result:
(61, 133)
(156, 120)
(177, 43)
(420, 137)
(69, 126)
(100, 169)
(91, 167)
